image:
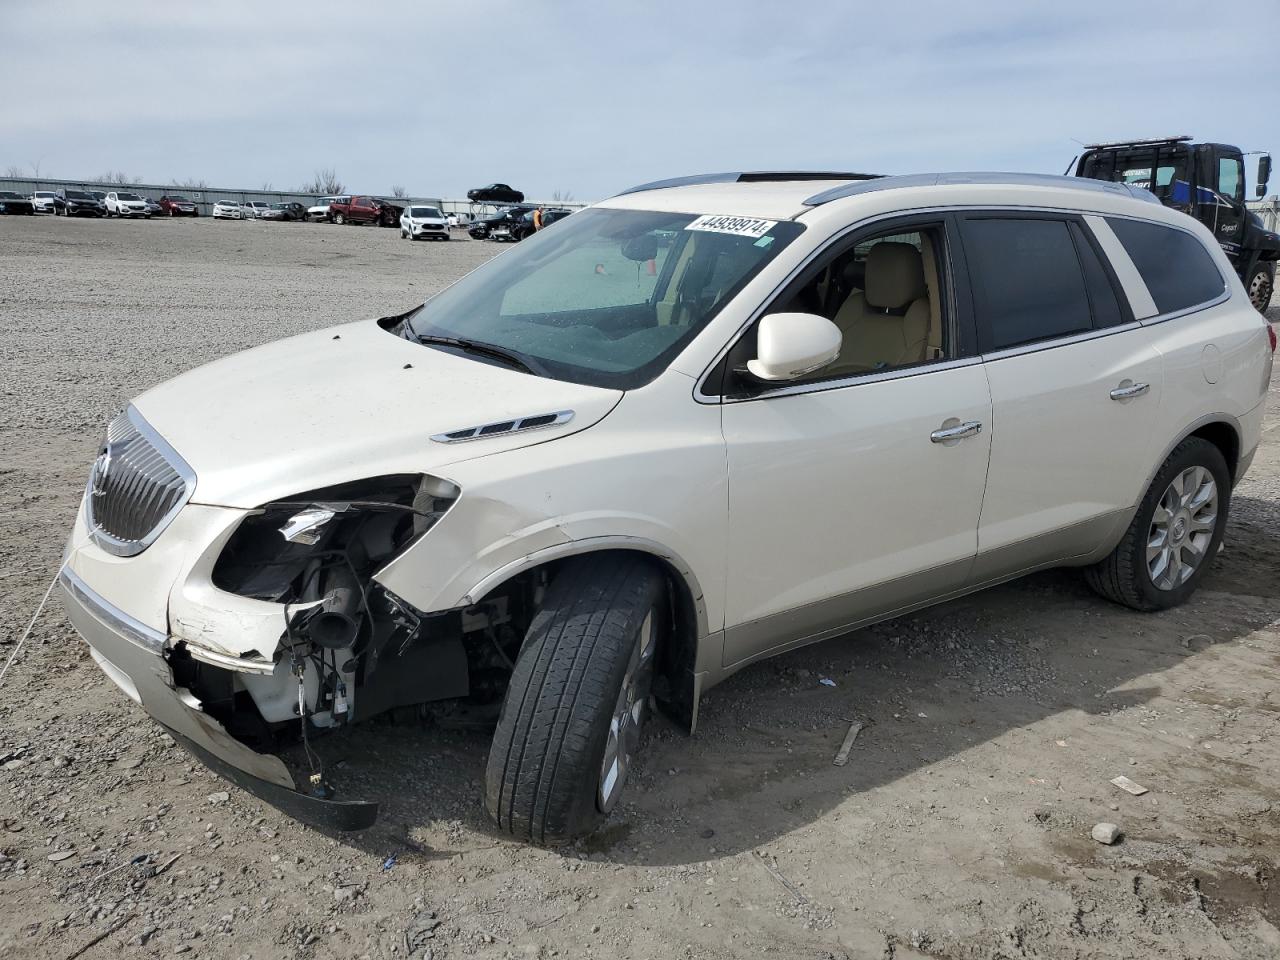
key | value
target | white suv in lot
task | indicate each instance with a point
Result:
(121, 204)
(418, 221)
(696, 425)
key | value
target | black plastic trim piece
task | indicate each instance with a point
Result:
(345, 816)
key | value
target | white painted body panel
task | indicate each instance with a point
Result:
(838, 490)
(1062, 451)
(343, 404)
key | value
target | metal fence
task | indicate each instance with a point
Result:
(206, 197)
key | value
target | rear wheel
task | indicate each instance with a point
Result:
(570, 726)
(1260, 285)
(1174, 535)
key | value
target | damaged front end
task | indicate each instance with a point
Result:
(279, 633)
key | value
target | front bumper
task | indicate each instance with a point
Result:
(134, 655)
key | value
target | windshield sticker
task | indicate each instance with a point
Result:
(738, 226)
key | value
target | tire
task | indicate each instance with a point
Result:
(1260, 285)
(1126, 575)
(600, 624)
(339, 219)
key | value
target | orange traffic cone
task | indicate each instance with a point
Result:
(652, 266)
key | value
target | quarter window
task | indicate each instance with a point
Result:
(1175, 266)
(1027, 281)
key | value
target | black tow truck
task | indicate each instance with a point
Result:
(1207, 181)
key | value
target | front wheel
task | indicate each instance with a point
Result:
(570, 726)
(1174, 535)
(339, 219)
(1260, 285)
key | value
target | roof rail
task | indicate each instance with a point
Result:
(1000, 179)
(1138, 143)
(759, 176)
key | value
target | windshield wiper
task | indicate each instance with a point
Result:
(521, 361)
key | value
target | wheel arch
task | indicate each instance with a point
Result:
(677, 689)
(1220, 429)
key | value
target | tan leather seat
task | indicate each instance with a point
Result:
(887, 324)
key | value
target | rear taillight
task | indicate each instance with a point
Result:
(1271, 335)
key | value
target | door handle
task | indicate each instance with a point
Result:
(961, 430)
(1128, 390)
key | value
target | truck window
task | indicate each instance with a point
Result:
(1231, 178)
(1175, 266)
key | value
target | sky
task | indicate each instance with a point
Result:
(437, 96)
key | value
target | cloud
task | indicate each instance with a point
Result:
(591, 97)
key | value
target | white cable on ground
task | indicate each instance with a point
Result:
(26, 633)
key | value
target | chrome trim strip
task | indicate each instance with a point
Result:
(135, 631)
(992, 179)
(858, 379)
(130, 548)
(1052, 343)
(228, 662)
(465, 434)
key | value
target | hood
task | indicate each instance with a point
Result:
(346, 403)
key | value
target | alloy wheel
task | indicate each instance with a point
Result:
(628, 716)
(1182, 528)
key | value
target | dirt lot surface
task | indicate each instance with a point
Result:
(959, 829)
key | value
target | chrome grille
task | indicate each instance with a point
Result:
(137, 485)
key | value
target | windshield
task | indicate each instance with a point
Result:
(9, 195)
(179, 199)
(610, 297)
(44, 193)
(77, 195)
(127, 196)
(424, 212)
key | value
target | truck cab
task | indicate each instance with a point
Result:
(1206, 181)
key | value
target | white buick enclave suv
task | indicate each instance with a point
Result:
(696, 425)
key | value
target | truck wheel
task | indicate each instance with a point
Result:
(570, 726)
(339, 219)
(1260, 286)
(1174, 535)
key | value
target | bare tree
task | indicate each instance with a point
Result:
(325, 181)
(13, 170)
(561, 196)
(400, 193)
(266, 186)
(190, 184)
(117, 177)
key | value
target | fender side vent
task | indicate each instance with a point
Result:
(504, 427)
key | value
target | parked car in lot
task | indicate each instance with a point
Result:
(81, 203)
(227, 210)
(153, 206)
(14, 204)
(122, 204)
(501, 221)
(254, 208)
(46, 201)
(495, 193)
(320, 211)
(284, 211)
(420, 222)
(358, 209)
(694, 426)
(524, 227)
(175, 205)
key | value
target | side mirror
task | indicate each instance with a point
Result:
(790, 345)
(1264, 174)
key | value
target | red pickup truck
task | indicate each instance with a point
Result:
(365, 210)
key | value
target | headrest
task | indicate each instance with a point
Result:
(895, 275)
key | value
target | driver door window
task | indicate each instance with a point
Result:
(886, 293)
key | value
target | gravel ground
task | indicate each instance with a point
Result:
(959, 829)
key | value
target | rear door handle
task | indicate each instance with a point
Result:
(1128, 390)
(961, 430)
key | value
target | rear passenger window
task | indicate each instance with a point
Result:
(1175, 266)
(1107, 311)
(1027, 281)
